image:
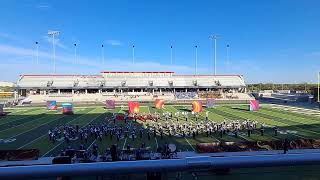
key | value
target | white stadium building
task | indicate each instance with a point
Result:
(131, 86)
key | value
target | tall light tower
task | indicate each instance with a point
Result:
(53, 34)
(102, 53)
(75, 53)
(228, 56)
(171, 54)
(37, 52)
(214, 37)
(133, 54)
(196, 61)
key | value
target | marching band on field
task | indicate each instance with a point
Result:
(165, 124)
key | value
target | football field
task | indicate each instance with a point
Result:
(27, 127)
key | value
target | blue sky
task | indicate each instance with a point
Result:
(270, 41)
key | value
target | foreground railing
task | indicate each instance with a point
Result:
(189, 163)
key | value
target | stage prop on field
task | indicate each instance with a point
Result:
(254, 105)
(159, 103)
(134, 107)
(1, 109)
(210, 103)
(52, 105)
(110, 104)
(67, 108)
(196, 106)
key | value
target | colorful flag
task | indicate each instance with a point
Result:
(196, 106)
(52, 105)
(254, 105)
(110, 104)
(210, 103)
(159, 103)
(134, 107)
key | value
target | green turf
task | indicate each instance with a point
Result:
(28, 127)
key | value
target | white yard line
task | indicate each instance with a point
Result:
(46, 133)
(155, 138)
(189, 144)
(215, 138)
(22, 123)
(52, 149)
(125, 141)
(18, 118)
(63, 140)
(91, 144)
(96, 139)
(296, 109)
(32, 141)
(35, 127)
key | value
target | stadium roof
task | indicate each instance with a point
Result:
(58, 75)
(146, 72)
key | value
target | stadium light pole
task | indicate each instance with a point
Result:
(37, 52)
(228, 57)
(171, 54)
(214, 37)
(102, 53)
(53, 34)
(132, 54)
(75, 53)
(196, 60)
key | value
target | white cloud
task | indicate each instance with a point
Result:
(113, 42)
(43, 6)
(10, 37)
(18, 61)
(57, 42)
(17, 51)
(5, 35)
(314, 54)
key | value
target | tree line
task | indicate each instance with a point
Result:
(294, 87)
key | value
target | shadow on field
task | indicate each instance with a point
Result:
(241, 108)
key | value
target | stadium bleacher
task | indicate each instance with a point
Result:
(126, 86)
